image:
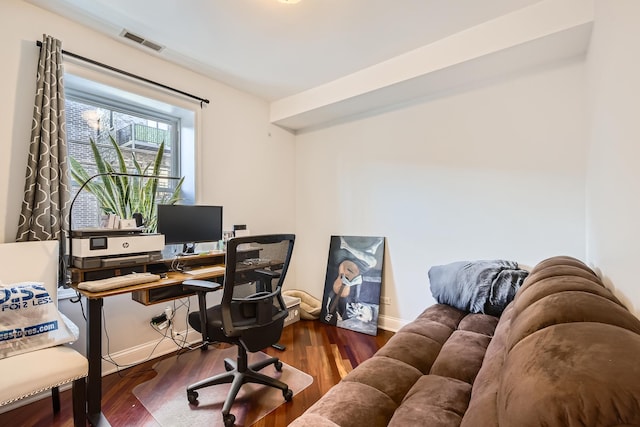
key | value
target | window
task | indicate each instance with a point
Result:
(138, 126)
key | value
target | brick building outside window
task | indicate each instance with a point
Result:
(136, 131)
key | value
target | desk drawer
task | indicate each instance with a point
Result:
(158, 295)
(163, 293)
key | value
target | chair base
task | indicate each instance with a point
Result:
(239, 373)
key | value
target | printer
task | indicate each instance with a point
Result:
(99, 247)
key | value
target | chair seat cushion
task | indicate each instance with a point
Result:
(261, 336)
(214, 321)
(36, 371)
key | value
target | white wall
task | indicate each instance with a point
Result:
(244, 163)
(493, 171)
(613, 199)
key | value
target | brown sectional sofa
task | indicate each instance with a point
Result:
(565, 352)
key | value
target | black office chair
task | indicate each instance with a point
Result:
(251, 314)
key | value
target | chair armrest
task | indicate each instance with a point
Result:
(200, 286)
(270, 274)
(265, 278)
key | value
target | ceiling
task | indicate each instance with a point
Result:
(276, 50)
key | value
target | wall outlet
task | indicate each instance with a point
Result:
(385, 300)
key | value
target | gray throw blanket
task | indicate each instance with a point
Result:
(477, 286)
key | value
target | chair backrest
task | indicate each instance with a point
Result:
(256, 314)
(31, 261)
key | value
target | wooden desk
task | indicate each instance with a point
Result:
(148, 293)
(165, 265)
(94, 326)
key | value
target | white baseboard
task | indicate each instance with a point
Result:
(147, 351)
(389, 323)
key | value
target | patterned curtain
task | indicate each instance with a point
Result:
(47, 187)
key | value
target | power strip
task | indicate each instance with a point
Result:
(163, 325)
(157, 320)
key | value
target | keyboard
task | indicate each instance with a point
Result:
(206, 270)
(117, 282)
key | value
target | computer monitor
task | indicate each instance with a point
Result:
(189, 224)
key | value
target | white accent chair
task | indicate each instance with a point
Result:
(27, 374)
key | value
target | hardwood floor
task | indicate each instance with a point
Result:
(325, 352)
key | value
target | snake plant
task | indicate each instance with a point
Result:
(125, 195)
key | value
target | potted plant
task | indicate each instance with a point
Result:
(124, 195)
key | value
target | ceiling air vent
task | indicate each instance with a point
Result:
(141, 40)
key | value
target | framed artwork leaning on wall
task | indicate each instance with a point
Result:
(351, 297)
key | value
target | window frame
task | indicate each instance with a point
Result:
(134, 109)
(102, 90)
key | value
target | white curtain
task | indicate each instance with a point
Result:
(47, 187)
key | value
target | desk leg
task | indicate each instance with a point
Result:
(94, 355)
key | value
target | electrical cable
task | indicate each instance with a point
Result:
(176, 265)
(182, 345)
(118, 366)
(79, 300)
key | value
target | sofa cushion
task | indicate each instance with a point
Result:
(347, 404)
(480, 323)
(313, 420)
(482, 410)
(561, 260)
(551, 285)
(433, 401)
(572, 374)
(390, 376)
(428, 328)
(558, 271)
(413, 349)
(461, 356)
(567, 307)
(445, 314)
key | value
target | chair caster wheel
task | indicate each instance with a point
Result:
(278, 366)
(288, 394)
(229, 420)
(192, 396)
(228, 366)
